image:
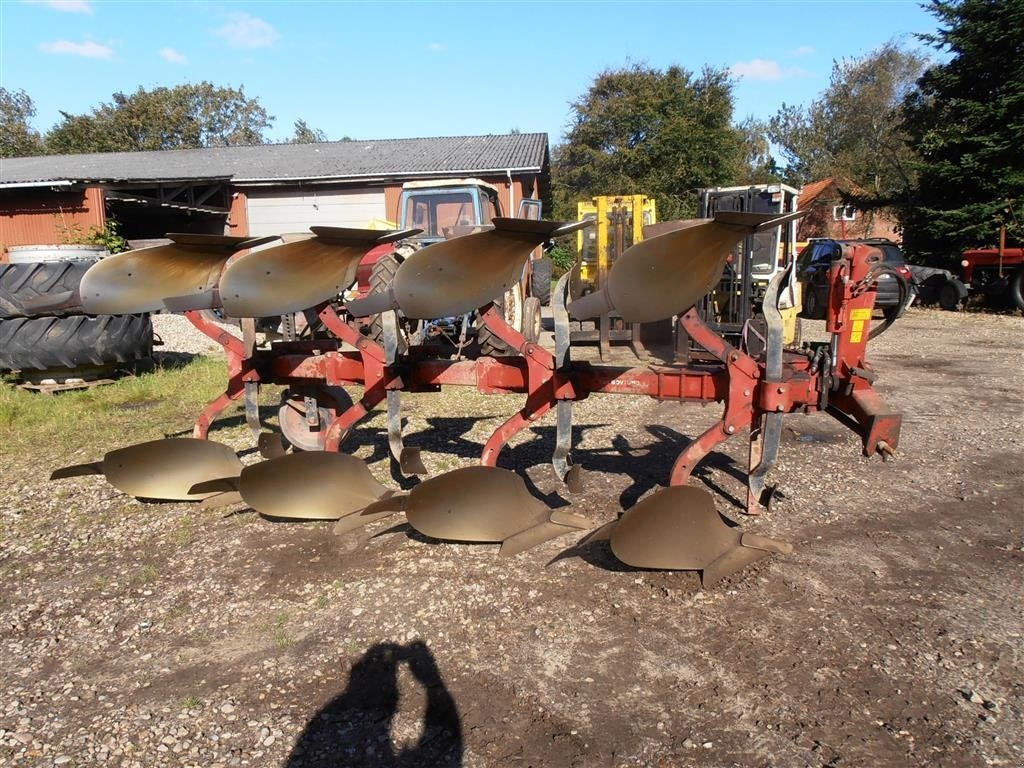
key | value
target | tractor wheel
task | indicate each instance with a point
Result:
(1017, 289)
(511, 308)
(21, 283)
(540, 281)
(949, 296)
(380, 278)
(41, 343)
(531, 319)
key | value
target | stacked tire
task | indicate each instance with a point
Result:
(62, 343)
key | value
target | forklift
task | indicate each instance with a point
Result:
(620, 222)
(734, 308)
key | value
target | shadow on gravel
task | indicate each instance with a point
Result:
(353, 730)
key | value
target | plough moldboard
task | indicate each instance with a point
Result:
(659, 278)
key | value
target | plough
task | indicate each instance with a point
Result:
(659, 278)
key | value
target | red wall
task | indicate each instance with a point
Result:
(48, 218)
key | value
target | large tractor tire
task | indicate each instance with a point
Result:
(540, 281)
(510, 306)
(1017, 289)
(22, 284)
(383, 273)
(74, 341)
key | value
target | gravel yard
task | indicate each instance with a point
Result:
(139, 634)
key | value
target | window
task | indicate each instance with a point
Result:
(844, 213)
(434, 213)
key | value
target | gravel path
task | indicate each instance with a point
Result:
(166, 635)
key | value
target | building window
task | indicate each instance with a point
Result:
(844, 213)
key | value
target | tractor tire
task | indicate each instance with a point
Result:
(383, 273)
(31, 281)
(492, 346)
(949, 296)
(42, 343)
(531, 319)
(1017, 289)
(540, 281)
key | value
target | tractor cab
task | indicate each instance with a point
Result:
(446, 209)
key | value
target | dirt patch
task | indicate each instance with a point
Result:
(150, 635)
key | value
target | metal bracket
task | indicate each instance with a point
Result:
(766, 436)
(561, 459)
(409, 461)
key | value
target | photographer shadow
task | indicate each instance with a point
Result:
(354, 729)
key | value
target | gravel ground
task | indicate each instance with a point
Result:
(180, 336)
(161, 634)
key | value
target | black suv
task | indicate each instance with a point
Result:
(812, 271)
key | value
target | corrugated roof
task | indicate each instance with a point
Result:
(283, 162)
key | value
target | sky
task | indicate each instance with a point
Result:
(391, 70)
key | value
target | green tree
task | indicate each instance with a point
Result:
(852, 131)
(17, 138)
(966, 123)
(640, 130)
(306, 135)
(756, 164)
(185, 116)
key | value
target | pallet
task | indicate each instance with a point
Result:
(50, 386)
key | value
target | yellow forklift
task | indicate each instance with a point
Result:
(620, 222)
(734, 308)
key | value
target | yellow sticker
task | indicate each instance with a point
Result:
(861, 314)
(858, 329)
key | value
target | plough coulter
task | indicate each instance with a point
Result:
(305, 280)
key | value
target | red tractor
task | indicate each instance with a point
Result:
(444, 210)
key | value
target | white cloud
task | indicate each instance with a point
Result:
(435, 47)
(173, 56)
(66, 6)
(803, 50)
(764, 69)
(88, 49)
(245, 31)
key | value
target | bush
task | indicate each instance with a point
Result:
(562, 258)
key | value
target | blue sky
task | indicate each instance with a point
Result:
(390, 70)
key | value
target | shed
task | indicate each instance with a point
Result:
(253, 190)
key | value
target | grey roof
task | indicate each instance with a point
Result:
(449, 155)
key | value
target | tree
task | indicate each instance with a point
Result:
(853, 130)
(756, 164)
(966, 122)
(640, 130)
(306, 135)
(17, 138)
(185, 116)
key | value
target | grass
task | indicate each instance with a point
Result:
(278, 630)
(146, 574)
(134, 408)
(191, 702)
(184, 532)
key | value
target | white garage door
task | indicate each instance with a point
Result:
(274, 212)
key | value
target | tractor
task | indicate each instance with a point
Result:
(444, 210)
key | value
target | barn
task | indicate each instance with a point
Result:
(252, 190)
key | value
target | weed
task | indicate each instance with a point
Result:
(184, 532)
(147, 573)
(191, 702)
(278, 630)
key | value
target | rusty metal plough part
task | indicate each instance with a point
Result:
(662, 277)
